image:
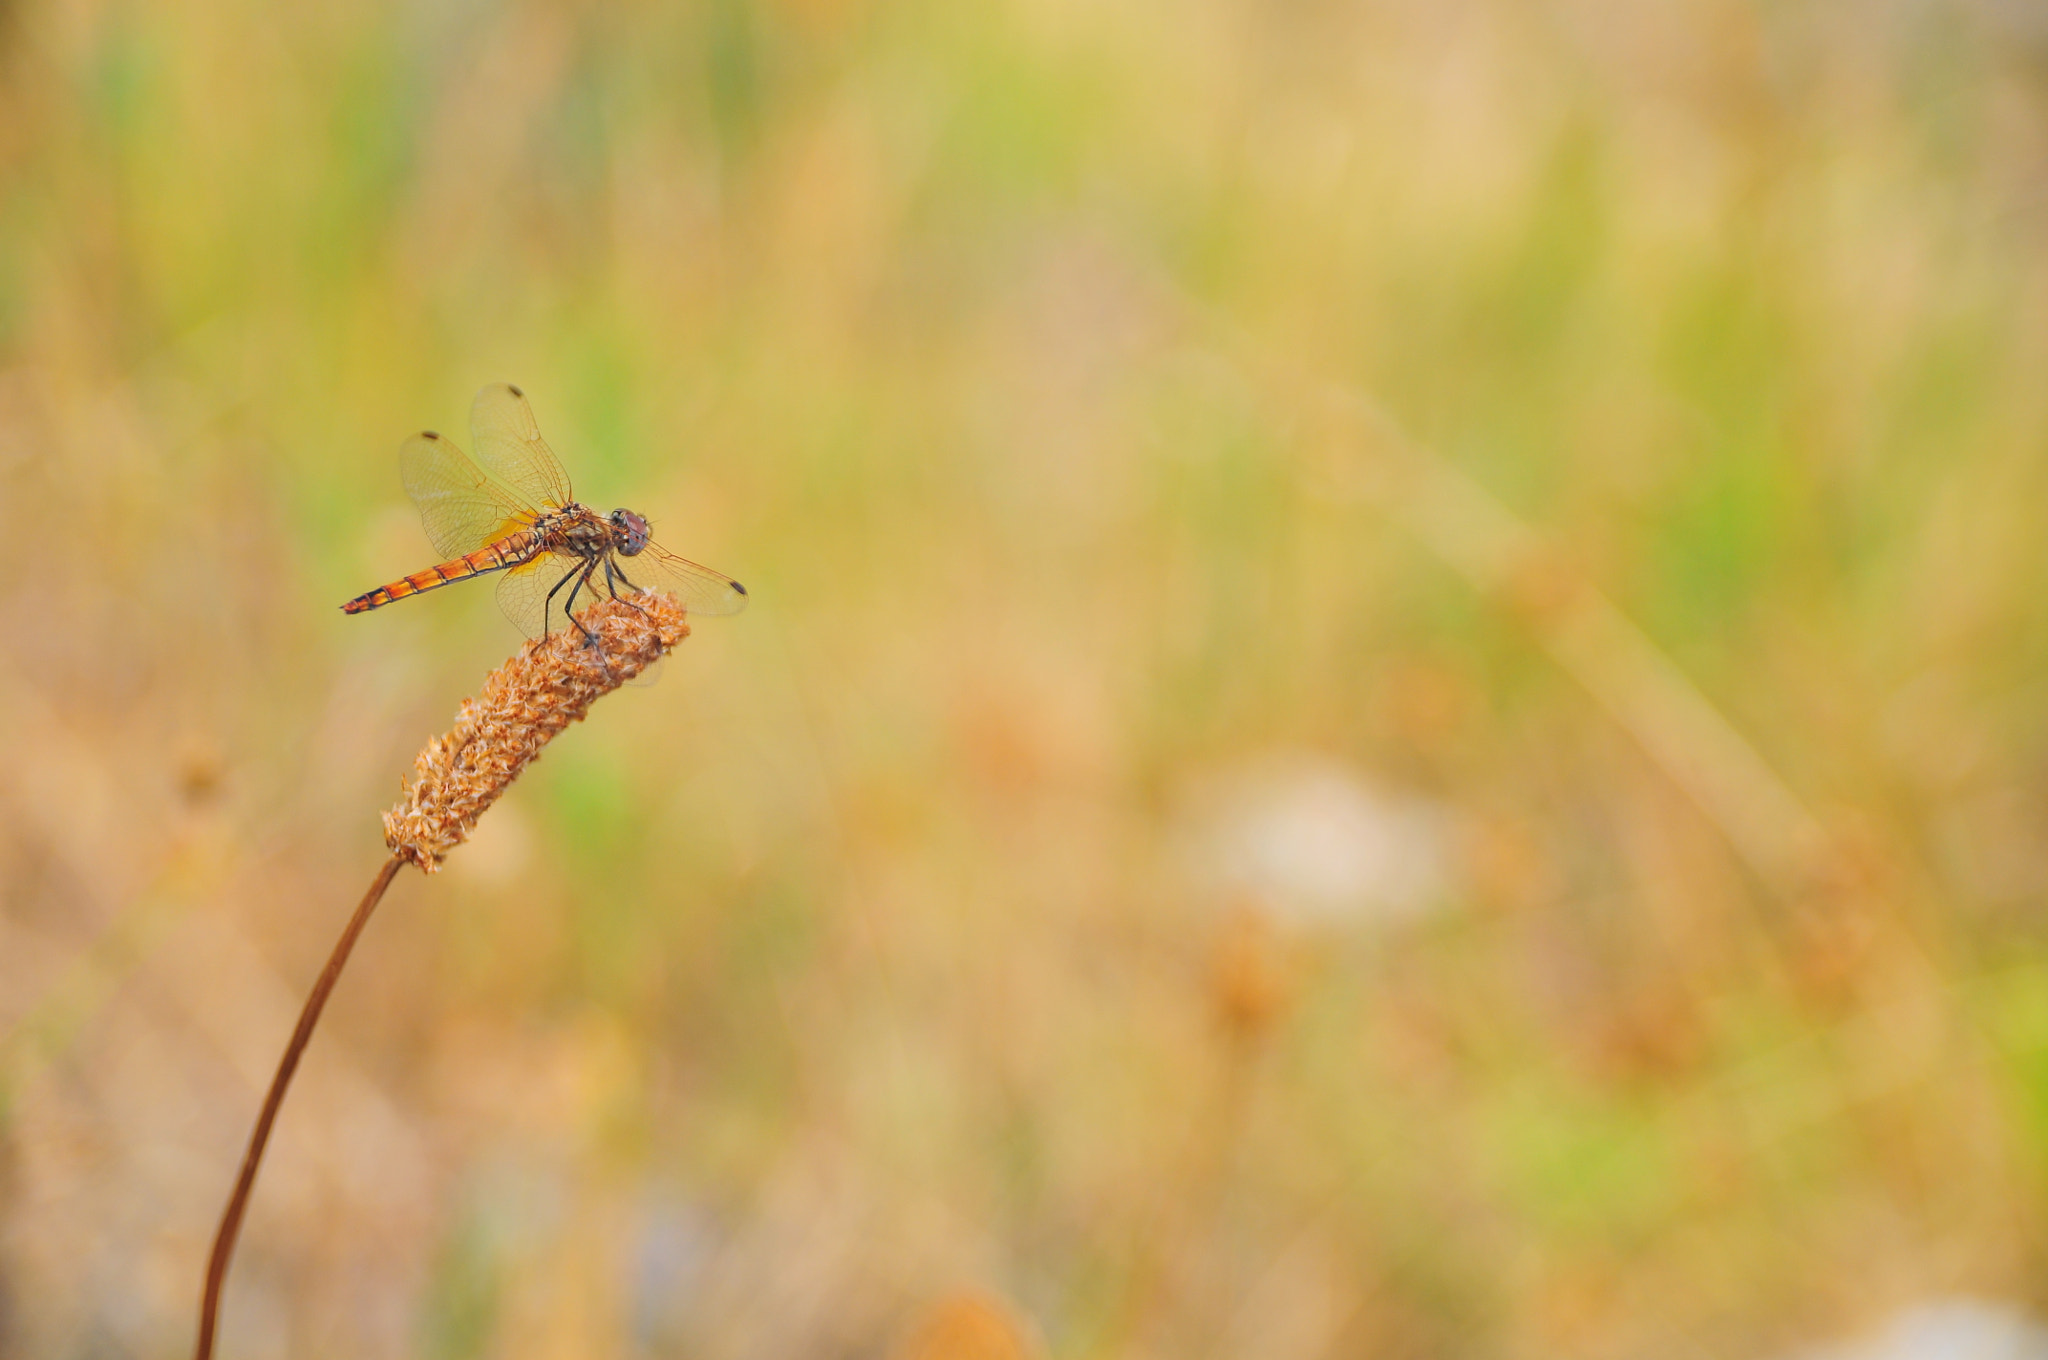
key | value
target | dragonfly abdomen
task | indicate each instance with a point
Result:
(509, 551)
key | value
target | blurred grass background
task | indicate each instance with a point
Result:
(1159, 869)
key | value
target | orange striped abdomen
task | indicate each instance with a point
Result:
(508, 551)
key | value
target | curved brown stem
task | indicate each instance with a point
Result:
(238, 1202)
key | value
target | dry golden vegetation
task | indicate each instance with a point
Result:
(1394, 703)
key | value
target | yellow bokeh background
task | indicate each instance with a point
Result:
(1394, 701)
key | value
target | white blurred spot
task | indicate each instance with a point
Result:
(1317, 842)
(675, 1246)
(1950, 1329)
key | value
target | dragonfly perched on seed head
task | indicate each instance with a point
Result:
(511, 510)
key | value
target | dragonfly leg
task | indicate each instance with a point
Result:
(546, 609)
(583, 576)
(586, 576)
(613, 574)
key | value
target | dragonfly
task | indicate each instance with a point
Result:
(511, 510)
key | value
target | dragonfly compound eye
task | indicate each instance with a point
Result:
(631, 530)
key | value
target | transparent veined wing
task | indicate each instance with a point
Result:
(461, 508)
(702, 590)
(509, 445)
(523, 592)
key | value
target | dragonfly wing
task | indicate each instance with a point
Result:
(523, 593)
(509, 445)
(461, 508)
(702, 590)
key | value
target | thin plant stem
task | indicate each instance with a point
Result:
(238, 1202)
(526, 703)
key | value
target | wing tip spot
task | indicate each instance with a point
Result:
(429, 434)
(740, 588)
(514, 390)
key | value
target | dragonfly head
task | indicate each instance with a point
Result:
(629, 532)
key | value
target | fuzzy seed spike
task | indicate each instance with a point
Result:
(524, 705)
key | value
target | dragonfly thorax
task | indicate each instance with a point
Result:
(629, 532)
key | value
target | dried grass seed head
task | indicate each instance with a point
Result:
(549, 684)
